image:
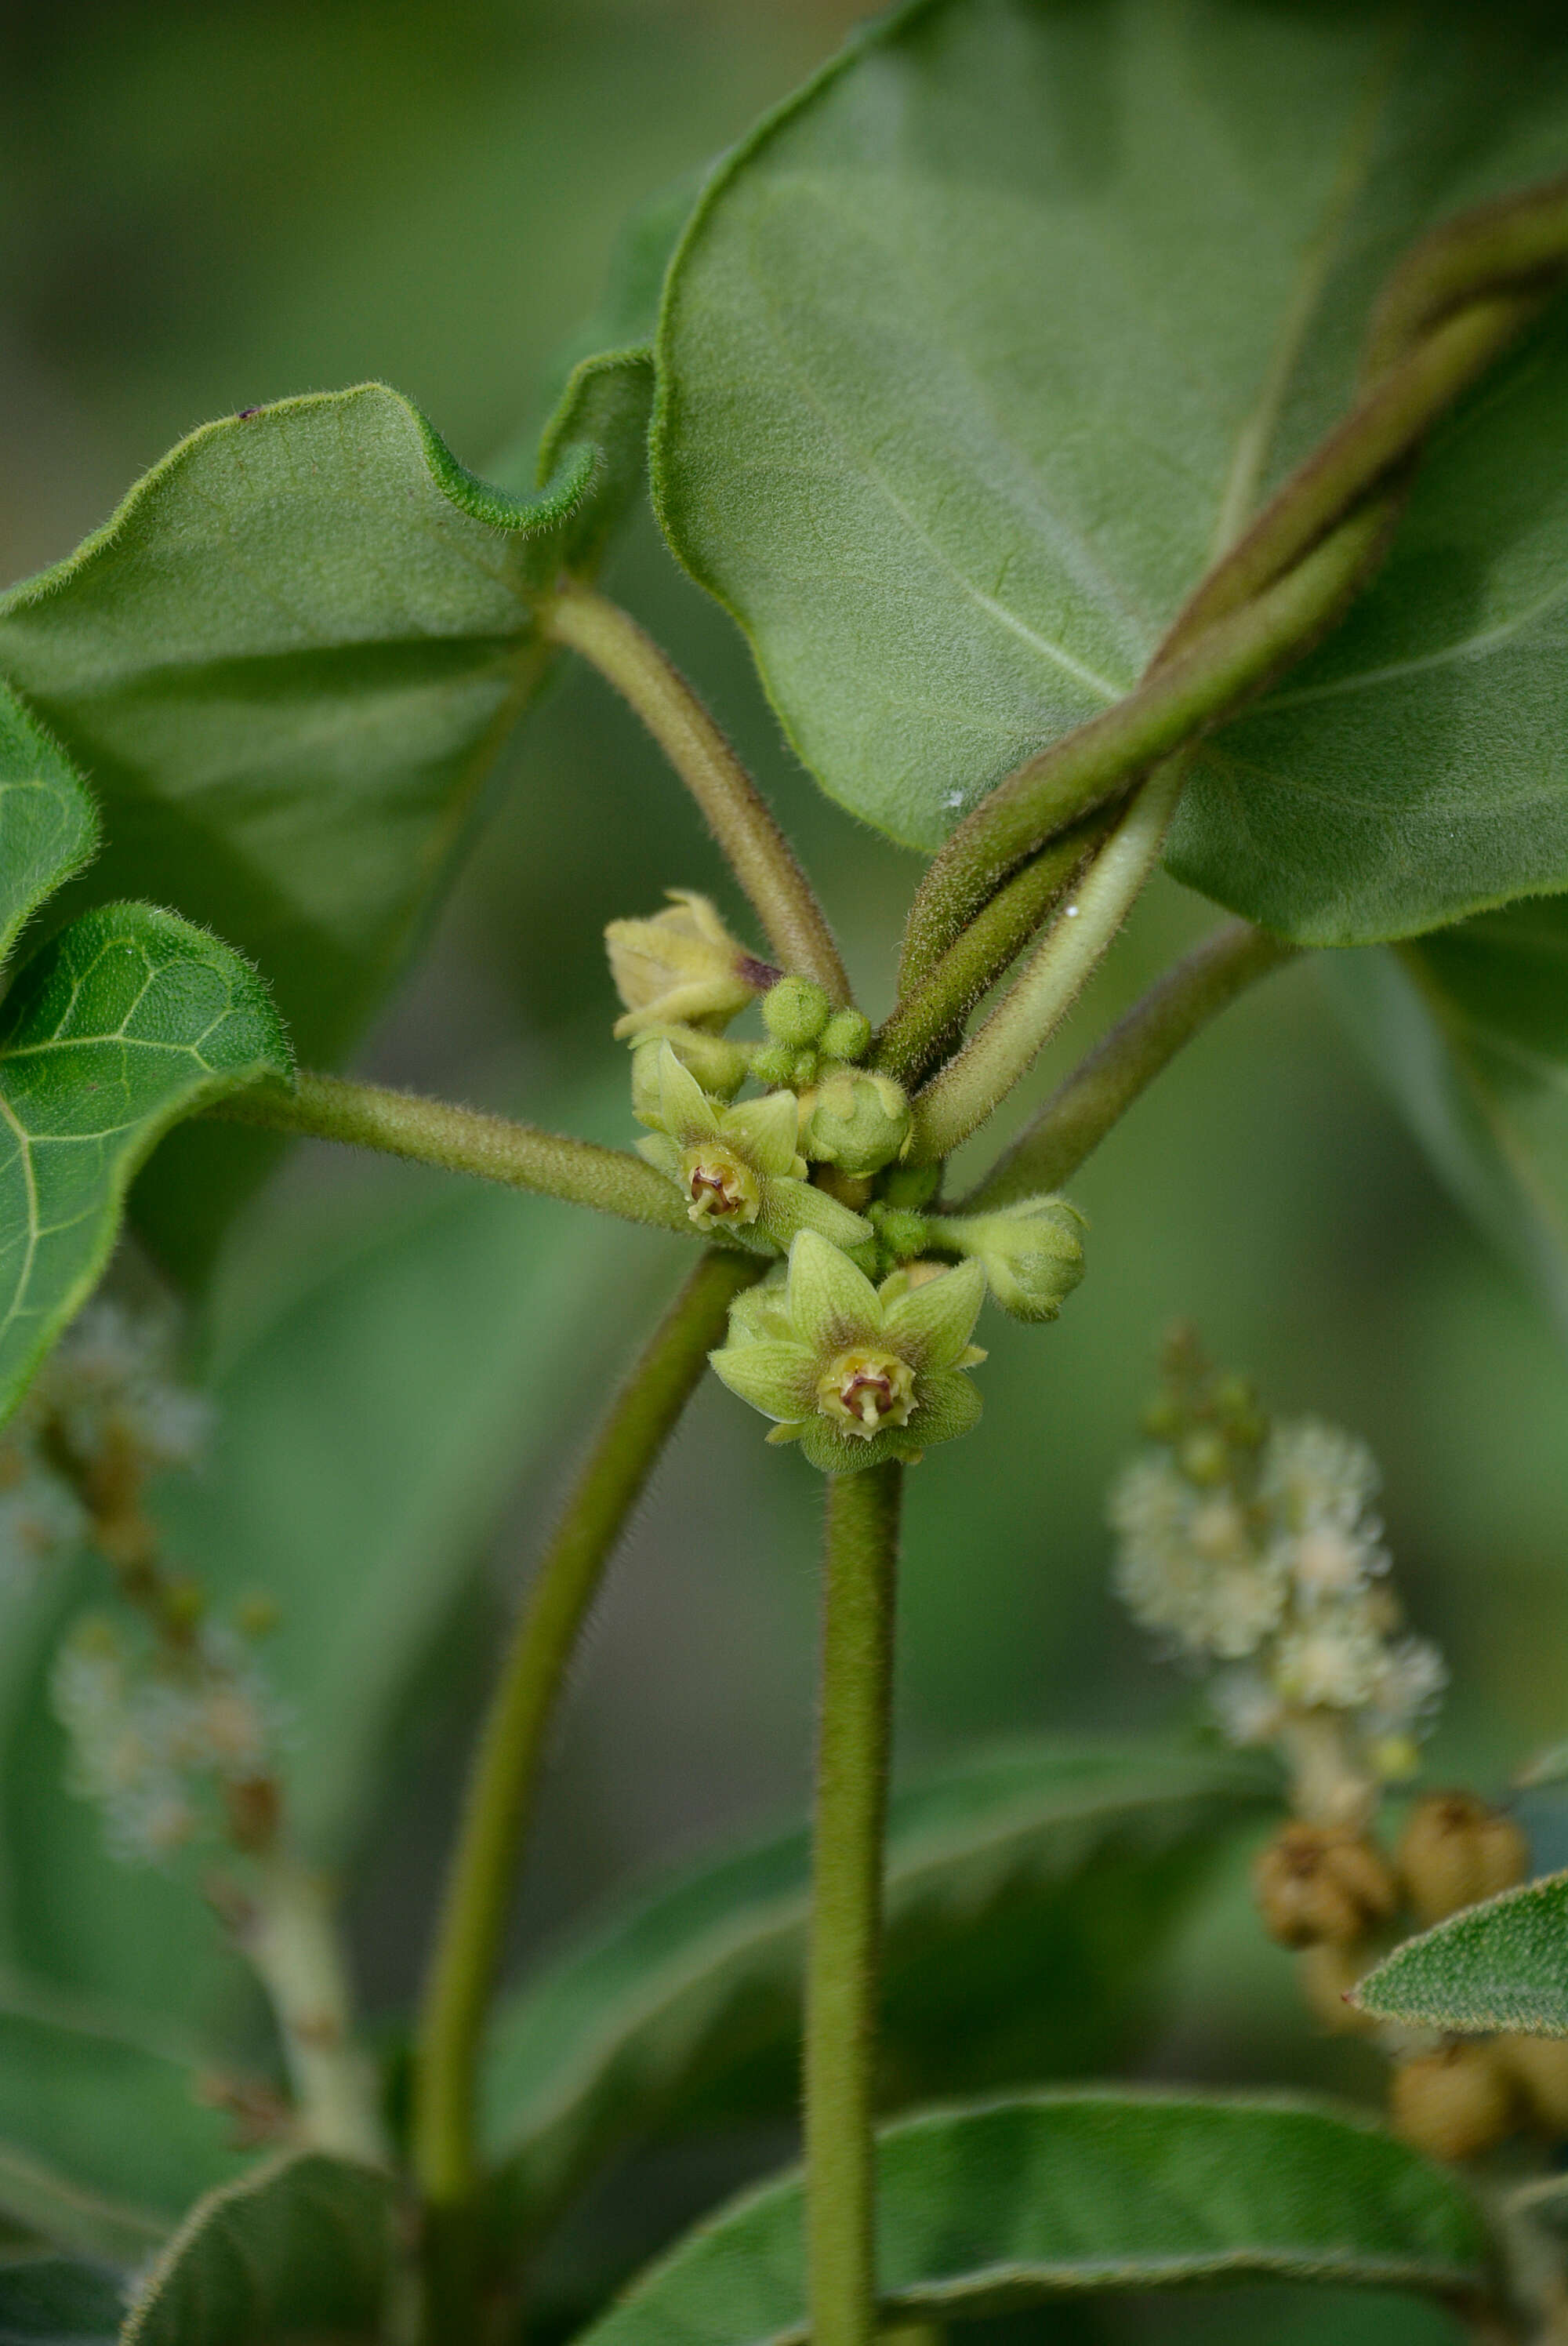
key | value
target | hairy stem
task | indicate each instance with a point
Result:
(842, 1978)
(734, 808)
(1100, 1090)
(285, 1926)
(505, 1765)
(926, 1018)
(465, 1140)
(956, 1102)
(1183, 693)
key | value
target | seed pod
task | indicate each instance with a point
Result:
(1539, 2066)
(1455, 1849)
(1455, 2103)
(1319, 1883)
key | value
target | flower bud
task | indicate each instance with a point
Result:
(904, 1233)
(1031, 1253)
(1455, 2103)
(795, 1011)
(720, 1067)
(855, 1121)
(681, 965)
(846, 1036)
(1539, 2068)
(1314, 1883)
(773, 1065)
(1456, 1850)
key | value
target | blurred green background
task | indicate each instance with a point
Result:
(210, 207)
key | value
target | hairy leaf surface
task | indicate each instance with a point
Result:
(1012, 2203)
(287, 665)
(104, 2139)
(1026, 1890)
(51, 2297)
(978, 348)
(292, 2256)
(1502, 1965)
(47, 825)
(1470, 1029)
(125, 1022)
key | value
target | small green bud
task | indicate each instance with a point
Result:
(182, 1604)
(257, 1616)
(1031, 1252)
(910, 1185)
(803, 1070)
(858, 1122)
(1162, 1421)
(904, 1233)
(846, 1036)
(795, 1011)
(773, 1065)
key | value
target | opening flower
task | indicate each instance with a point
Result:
(681, 966)
(1032, 1251)
(738, 1168)
(856, 1373)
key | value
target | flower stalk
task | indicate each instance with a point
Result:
(853, 1736)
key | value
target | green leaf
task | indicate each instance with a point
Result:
(1027, 1891)
(1502, 1965)
(1016, 2202)
(1469, 1030)
(299, 2252)
(47, 825)
(974, 346)
(49, 2298)
(125, 1022)
(103, 2138)
(288, 663)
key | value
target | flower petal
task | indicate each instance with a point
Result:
(790, 1207)
(831, 1304)
(929, 1326)
(836, 1454)
(948, 1404)
(765, 1128)
(685, 1110)
(778, 1379)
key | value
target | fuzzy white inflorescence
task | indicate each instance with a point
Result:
(1274, 1567)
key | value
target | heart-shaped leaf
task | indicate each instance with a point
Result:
(1026, 1890)
(976, 350)
(1468, 1028)
(105, 2139)
(47, 825)
(125, 1022)
(51, 2299)
(1016, 2202)
(288, 663)
(297, 2253)
(1502, 1965)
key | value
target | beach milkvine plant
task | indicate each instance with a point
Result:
(1131, 432)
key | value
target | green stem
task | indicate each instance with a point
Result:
(932, 1014)
(956, 1102)
(507, 1763)
(465, 1140)
(734, 808)
(286, 1927)
(1179, 698)
(1100, 1090)
(841, 1979)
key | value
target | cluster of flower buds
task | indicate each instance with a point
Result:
(1255, 1547)
(815, 1169)
(104, 1413)
(171, 1736)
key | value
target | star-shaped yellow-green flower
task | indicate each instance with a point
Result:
(856, 1373)
(738, 1168)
